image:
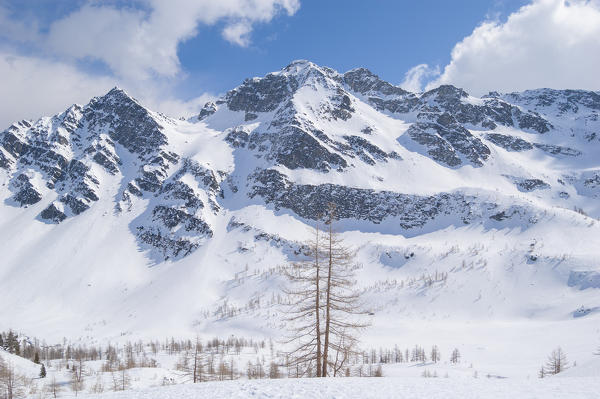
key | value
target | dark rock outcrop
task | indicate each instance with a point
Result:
(447, 141)
(26, 194)
(409, 211)
(509, 143)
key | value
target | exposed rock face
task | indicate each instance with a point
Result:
(261, 95)
(71, 151)
(304, 120)
(509, 143)
(208, 109)
(294, 147)
(579, 106)
(53, 213)
(127, 123)
(487, 113)
(443, 114)
(562, 101)
(65, 148)
(176, 224)
(516, 144)
(557, 150)
(447, 141)
(174, 230)
(363, 81)
(409, 211)
(532, 121)
(26, 194)
(47, 148)
(133, 127)
(366, 151)
(79, 187)
(339, 106)
(527, 185)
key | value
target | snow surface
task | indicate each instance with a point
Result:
(387, 387)
(403, 380)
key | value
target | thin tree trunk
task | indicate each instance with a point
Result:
(196, 362)
(317, 302)
(328, 298)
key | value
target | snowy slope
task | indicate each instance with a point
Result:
(22, 367)
(119, 221)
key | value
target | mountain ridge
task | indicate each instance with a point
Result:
(137, 194)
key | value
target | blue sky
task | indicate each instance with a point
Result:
(388, 37)
(174, 55)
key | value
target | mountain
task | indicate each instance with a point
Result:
(119, 220)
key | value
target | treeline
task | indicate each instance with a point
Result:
(417, 354)
(118, 356)
(37, 350)
(201, 363)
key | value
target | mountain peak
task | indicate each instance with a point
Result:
(362, 80)
(265, 94)
(299, 64)
(117, 95)
(302, 70)
(447, 91)
(362, 71)
(116, 89)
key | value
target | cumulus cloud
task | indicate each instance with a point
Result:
(548, 43)
(238, 33)
(178, 108)
(137, 45)
(32, 87)
(415, 78)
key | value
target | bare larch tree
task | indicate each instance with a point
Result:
(304, 310)
(343, 310)
(557, 362)
(324, 305)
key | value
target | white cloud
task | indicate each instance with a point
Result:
(137, 43)
(238, 33)
(179, 108)
(548, 43)
(415, 78)
(32, 87)
(161, 97)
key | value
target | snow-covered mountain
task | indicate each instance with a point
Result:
(118, 219)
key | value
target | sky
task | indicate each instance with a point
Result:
(175, 55)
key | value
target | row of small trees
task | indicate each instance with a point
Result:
(417, 354)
